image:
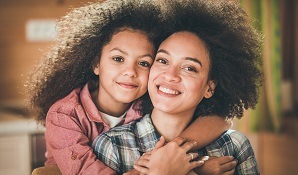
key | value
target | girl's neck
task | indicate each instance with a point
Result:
(170, 125)
(110, 107)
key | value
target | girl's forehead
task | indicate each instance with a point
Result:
(129, 29)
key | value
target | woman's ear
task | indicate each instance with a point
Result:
(211, 88)
(96, 66)
(96, 69)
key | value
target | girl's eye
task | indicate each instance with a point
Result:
(191, 69)
(118, 59)
(162, 61)
(145, 64)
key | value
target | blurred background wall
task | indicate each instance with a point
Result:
(272, 127)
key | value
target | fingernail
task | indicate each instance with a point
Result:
(200, 161)
(205, 158)
(194, 143)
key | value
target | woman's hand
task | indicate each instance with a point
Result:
(171, 158)
(218, 166)
(132, 172)
(142, 163)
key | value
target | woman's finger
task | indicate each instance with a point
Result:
(179, 140)
(142, 161)
(188, 145)
(192, 156)
(146, 156)
(160, 143)
(141, 169)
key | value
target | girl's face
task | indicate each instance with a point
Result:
(179, 76)
(124, 67)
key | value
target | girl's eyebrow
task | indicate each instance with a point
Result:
(125, 53)
(186, 58)
(117, 49)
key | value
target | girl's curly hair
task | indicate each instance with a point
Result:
(234, 48)
(82, 34)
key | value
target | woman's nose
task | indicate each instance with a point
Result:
(171, 75)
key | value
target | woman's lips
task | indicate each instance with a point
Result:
(167, 90)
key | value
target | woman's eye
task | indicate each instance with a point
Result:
(118, 59)
(191, 69)
(145, 64)
(162, 61)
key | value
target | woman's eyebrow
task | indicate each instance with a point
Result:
(163, 51)
(186, 58)
(194, 60)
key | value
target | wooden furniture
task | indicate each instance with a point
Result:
(47, 170)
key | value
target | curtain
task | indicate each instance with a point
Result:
(267, 115)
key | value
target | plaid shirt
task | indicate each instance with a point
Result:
(121, 146)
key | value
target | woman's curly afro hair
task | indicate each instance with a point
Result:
(234, 48)
(82, 34)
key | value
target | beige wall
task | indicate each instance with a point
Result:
(17, 56)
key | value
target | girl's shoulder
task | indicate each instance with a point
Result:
(67, 103)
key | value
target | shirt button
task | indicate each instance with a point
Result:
(73, 157)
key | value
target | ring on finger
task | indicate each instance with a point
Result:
(191, 156)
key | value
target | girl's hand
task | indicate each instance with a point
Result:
(170, 159)
(218, 166)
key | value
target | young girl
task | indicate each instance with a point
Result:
(95, 78)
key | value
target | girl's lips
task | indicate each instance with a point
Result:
(127, 85)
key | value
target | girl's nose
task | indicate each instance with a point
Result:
(130, 71)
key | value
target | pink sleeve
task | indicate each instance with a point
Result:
(70, 148)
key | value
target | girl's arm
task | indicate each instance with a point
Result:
(70, 148)
(204, 130)
(218, 165)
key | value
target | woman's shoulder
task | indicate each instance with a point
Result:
(237, 137)
(240, 142)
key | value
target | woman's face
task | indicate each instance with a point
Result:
(124, 67)
(178, 78)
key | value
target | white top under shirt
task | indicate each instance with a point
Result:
(111, 120)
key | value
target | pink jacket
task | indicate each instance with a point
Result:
(72, 124)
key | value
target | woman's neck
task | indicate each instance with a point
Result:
(170, 125)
